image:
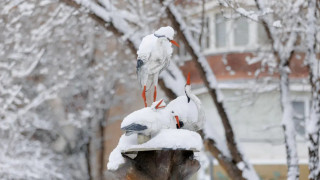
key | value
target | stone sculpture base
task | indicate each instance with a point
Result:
(157, 165)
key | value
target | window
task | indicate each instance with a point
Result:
(299, 116)
(220, 31)
(239, 29)
(205, 41)
(262, 35)
(241, 32)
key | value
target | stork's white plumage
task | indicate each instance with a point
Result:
(154, 56)
(184, 112)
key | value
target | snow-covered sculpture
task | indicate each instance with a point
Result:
(161, 127)
(154, 56)
(183, 112)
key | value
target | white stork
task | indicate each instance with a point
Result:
(153, 57)
(179, 113)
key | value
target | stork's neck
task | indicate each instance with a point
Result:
(193, 97)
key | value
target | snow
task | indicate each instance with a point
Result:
(250, 14)
(158, 104)
(146, 46)
(149, 43)
(277, 24)
(241, 165)
(166, 31)
(313, 123)
(115, 158)
(175, 139)
(153, 119)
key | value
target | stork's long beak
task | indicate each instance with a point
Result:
(188, 79)
(178, 123)
(175, 43)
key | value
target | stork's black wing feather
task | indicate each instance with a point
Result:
(134, 127)
(139, 64)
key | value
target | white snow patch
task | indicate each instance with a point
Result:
(165, 139)
(250, 14)
(241, 165)
(277, 24)
(115, 158)
(167, 31)
(173, 139)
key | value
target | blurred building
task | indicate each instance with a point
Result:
(251, 91)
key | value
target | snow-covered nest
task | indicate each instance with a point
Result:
(175, 139)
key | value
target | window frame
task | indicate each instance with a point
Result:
(252, 44)
(306, 101)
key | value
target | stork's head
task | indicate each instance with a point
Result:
(167, 33)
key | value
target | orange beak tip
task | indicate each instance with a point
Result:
(175, 43)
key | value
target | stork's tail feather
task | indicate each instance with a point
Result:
(132, 128)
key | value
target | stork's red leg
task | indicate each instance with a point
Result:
(144, 96)
(155, 94)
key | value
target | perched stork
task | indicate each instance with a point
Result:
(184, 112)
(153, 57)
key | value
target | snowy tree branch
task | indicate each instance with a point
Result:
(313, 124)
(209, 81)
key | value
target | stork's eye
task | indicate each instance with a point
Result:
(172, 112)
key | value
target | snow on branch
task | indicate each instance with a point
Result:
(20, 74)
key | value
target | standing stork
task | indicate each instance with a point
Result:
(154, 55)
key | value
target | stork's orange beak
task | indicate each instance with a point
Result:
(188, 79)
(175, 43)
(177, 119)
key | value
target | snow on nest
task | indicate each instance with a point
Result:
(172, 139)
(165, 139)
